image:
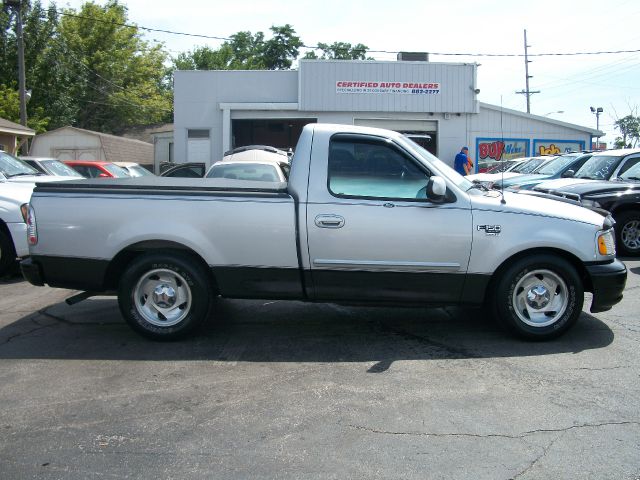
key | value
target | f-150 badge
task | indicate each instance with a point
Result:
(490, 229)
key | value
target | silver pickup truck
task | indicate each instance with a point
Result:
(367, 216)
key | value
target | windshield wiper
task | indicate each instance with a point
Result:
(479, 186)
(628, 178)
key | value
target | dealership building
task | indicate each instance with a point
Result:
(216, 111)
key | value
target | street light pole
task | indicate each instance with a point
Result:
(597, 112)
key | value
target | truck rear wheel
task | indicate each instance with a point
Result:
(165, 296)
(628, 233)
(7, 254)
(538, 297)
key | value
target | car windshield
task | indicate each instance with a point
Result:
(599, 167)
(58, 168)
(12, 167)
(245, 171)
(138, 171)
(115, 170)
(528, 166)
(632, 174)
(501, 166)
(556, 165)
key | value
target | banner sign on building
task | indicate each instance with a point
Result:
(556, 147)
(491, 150)
(400, 88)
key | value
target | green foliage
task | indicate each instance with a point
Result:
(629, 127)
(10, 109)
(339, 51)
(245, 51)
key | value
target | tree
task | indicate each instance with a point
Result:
(629, 127)
(245, 51)
(339, 51)
(117, 77)
(10, 109)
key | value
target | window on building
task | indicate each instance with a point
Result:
(371, 168)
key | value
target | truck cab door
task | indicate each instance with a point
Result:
(374, 234)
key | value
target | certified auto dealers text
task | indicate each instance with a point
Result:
(405, 88)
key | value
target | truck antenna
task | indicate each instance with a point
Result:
(502, 200)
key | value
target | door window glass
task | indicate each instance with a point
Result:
(371, 168)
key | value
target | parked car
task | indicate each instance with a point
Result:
(134, 169)
(605, 165)
(17, 181)
(620, 198)
(262, 171)
(97, 169)
(185, 170)
(563, 166)
(528, 165)
(50, 166)
(256, 152)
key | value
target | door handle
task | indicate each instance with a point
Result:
(329, 221)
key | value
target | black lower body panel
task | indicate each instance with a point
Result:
(66, 272)
(608, 282)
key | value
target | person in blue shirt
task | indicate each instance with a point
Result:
(461, 162)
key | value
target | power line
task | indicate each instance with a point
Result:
(316, 47)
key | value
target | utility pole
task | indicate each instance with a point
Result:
(22, 83)
(527, 92)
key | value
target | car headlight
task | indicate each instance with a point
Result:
(585, 202)
(606, 243)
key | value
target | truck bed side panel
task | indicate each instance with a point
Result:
(248, 242)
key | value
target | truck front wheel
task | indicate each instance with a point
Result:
(538, 297)
(165, 296)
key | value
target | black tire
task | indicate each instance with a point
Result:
(628, 233)
(182, 300)
(556, 298)
(7, 254)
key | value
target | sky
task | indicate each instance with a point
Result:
(568, 85)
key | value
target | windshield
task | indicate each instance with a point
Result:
(556, 165)
(58, 168)
(444, 169)
(528, 166)
(10, 166)
(598, 168)
(245, 171)
(501, 166)
(115, 170)
(138, 171)
(632, 174)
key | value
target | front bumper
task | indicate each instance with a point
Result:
(608, 281)
(32, 272)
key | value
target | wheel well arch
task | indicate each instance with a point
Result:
(572, 259)
(120, 262)
(629, 207)
(4, 229)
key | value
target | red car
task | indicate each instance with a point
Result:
(97, 169)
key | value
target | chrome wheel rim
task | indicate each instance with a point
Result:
(163, 297)
(540, 298)
(630, 235)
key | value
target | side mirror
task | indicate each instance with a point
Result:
(568, 174)
(436, 188)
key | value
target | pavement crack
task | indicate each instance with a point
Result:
(493, 435)
(57, 318)
(545, 451)
(25, 333)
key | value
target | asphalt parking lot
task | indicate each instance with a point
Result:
(294, 391)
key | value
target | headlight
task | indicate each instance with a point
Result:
(514, 188)
(585, 202)
(606, 243)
